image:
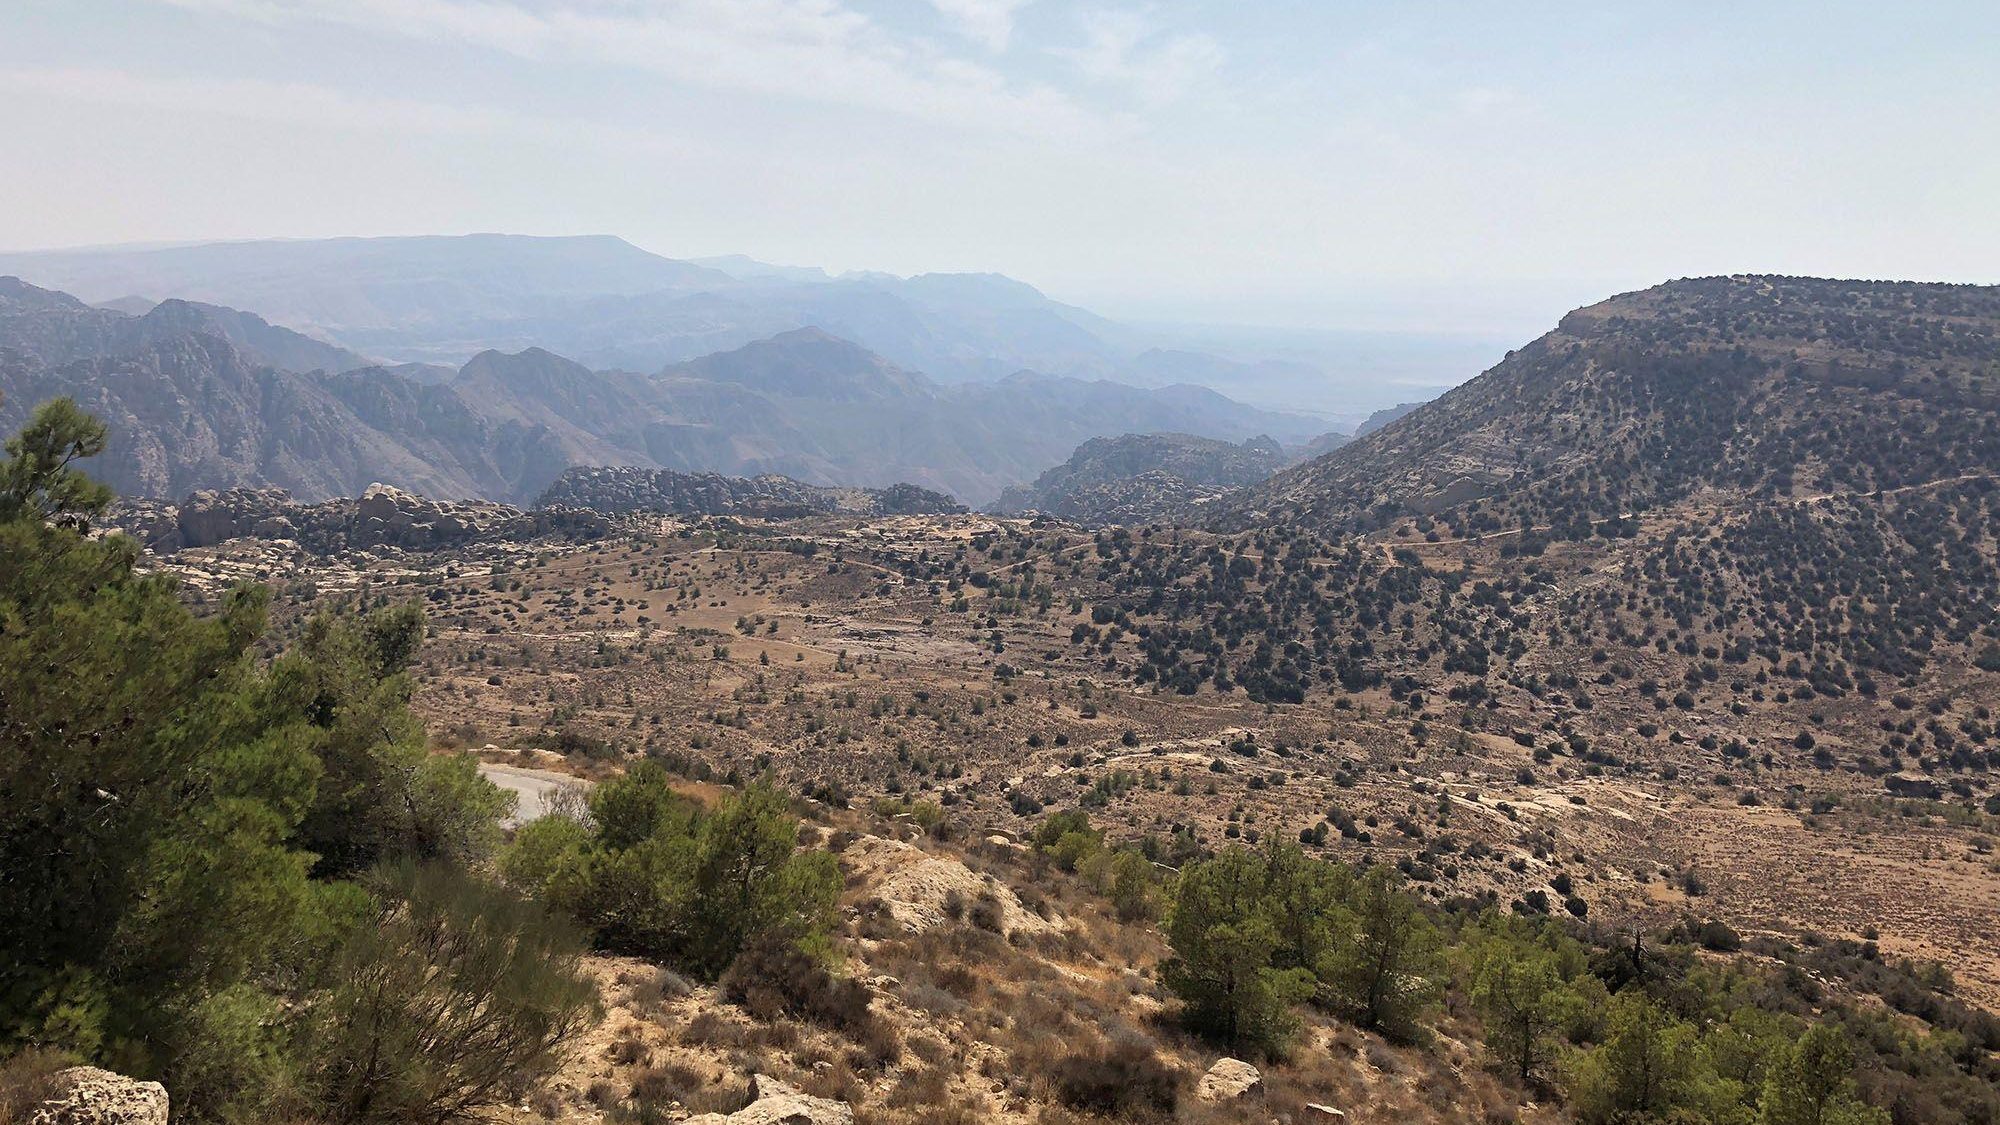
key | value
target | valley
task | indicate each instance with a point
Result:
(1669, 643)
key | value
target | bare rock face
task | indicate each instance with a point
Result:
(779, 1104)
(1228, 1080)
(86, 1095)
(208, 517)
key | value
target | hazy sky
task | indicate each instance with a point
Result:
(1319, 162)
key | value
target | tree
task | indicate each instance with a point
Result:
(1134, 890)
(1386, 974)
(157, 913)
(1308, 901)
(1649, 1064)
(658, 876)
(1525, 1002)
(1811, 1083)
(381, 792)
(146, 806)
(539, 851)
(751, 878)
(39, 481)
(1223, 939)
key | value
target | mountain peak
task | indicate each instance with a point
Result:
(808, 363)
(18, 295)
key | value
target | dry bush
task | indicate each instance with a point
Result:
(629, 1049)
(773, 978)
(27, 1080)
(926, 1086)
(835, 1081)
(711, 1029)
(986, 913)
(1127, 1078)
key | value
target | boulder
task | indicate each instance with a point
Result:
(1324, 1114)
(275, 527)
(204, 520)
(1228, 1080)
(85, 1095)
(778, 1104)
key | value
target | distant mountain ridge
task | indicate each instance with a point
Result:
(196, 398)
(608, 304)
(595, 298)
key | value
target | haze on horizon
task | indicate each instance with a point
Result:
(1321, 165)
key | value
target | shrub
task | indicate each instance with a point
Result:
(454, 996)
(1126, 1079)
(663, 878)
(773, 977)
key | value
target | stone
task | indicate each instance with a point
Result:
(778, 1104)
(275, 527)
(85, 1095)
(1228, 1080)
(1324, 1114)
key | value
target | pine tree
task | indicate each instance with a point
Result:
(1387, 974)
(1811, 1083)
(1524, 1002)
(1223, 939)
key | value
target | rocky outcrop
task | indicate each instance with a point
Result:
(1143, 478)
(1228, 1080)
(918, 891)
(382, 516)
(778, 1104)
(85, 1095)
(618, 490)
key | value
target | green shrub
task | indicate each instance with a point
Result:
(660, 877)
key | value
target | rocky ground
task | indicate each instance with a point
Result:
(804, 648)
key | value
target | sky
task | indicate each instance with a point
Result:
(1433, 166)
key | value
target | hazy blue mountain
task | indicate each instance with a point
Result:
(1385, 416)
(198, 399)
(600, 300)
(608, 304)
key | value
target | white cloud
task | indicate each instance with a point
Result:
(812, 50)
(1127, 49)
(322, 107)
(1480, 101)
(990, 22)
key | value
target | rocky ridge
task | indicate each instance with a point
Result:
(382, 516)
(1143, 478)
(620, 490)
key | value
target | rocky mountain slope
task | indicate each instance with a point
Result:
(198, 398)
(1142, 478)
(1749, 386)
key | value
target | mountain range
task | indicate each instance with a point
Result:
(597, 299)
(202, 396)
(440, 300)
